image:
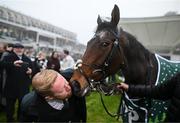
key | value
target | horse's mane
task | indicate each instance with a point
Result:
(133, 43)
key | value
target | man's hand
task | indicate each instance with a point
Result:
(29, 71)
(123, 87)
(18, 63)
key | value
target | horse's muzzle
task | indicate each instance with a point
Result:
(76, 89)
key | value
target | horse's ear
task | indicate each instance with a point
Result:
(115, 15)
(99, 21)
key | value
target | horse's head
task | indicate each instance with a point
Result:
(103, 56)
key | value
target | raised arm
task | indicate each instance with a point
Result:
(162, 91)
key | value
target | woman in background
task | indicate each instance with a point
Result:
(53, 62)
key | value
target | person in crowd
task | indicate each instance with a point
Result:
(170, 90)
(1, 49)
(1, 77)
(53, 100)
(8, 49)
(68, 61)
(53, 62)
(40, 63)
(18, 79)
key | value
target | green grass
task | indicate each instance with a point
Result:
(3, 114)
(2, 117)
(95, 111)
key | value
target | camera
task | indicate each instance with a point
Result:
(25, 65)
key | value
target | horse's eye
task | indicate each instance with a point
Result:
(105, 44)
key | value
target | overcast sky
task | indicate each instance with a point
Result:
(80, 16)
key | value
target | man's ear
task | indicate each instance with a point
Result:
(49, 97)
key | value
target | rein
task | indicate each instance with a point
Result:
(118, 113)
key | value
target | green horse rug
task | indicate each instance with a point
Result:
(150, 110)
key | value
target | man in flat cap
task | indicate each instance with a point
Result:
(18, 79)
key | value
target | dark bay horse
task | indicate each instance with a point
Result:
(112, 49)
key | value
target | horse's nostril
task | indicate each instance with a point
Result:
(75, 87)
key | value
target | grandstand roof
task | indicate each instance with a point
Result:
(159, 34)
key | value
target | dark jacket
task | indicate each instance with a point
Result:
(169, 90)
(2, 70)
(17, 81)
(28, 108)
(74, 110)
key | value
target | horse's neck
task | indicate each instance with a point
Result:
(139, 70)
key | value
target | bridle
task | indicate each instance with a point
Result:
(103, 69)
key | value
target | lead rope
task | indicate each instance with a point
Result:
(118, 114)
(107, 111)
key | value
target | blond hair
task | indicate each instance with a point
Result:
(43, 80)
